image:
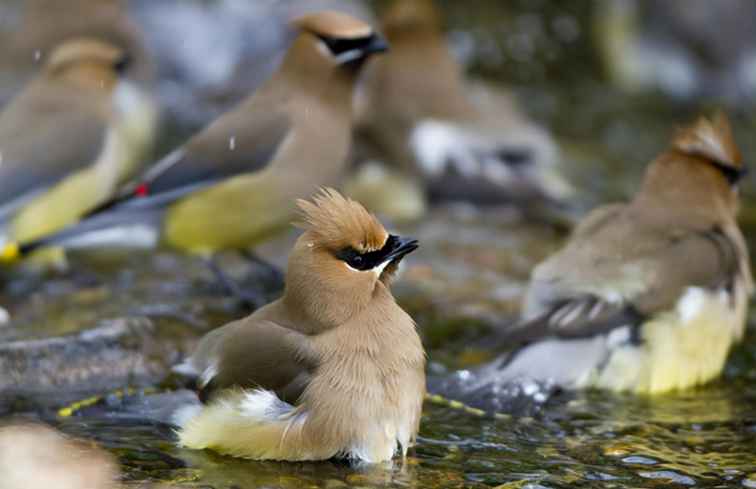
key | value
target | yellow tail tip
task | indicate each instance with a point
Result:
(9, 253)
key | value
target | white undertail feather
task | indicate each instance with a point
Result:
(682, 348)
(249, 424)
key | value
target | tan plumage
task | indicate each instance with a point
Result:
(464, 140)
(42, 25)
(647, 296)
(334, 368)
(234, 184)
(70, 138)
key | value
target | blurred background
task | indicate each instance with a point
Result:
(602, 85)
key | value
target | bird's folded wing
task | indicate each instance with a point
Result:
(37, 152)
(253, 353)
(241, 141)
(707, 259)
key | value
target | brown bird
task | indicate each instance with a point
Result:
(334, 368)
(234, 184)
(70, 138)
(647, 296)
(418, 110)
(39, 26)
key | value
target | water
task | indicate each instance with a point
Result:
(466, 279)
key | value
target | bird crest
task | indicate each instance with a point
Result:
(83, 49)
(338, 222)
(334, 24)
(710, 139)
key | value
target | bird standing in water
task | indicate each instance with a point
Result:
(335, 368)
(647, 296)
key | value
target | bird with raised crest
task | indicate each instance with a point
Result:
(334, 368)
(647, 296)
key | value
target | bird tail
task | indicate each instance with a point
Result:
(127, 226)
(252, 424)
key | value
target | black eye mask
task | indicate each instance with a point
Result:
(349, 50)
(394, 249)
(733, 175)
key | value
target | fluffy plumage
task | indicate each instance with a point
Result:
(650, 295)
(337, 222)
(334, 368)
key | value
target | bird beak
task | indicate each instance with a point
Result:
(399, 247)
(376, 44)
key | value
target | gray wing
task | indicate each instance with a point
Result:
(44, 139)
(241, 141)
(669, 265)
(253, 353)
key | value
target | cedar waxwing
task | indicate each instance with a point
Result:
(646, 296)
(418, 111)
(235, 183)
(335, 368)
(39, 26)
(69, 138)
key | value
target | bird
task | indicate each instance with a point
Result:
(234, 184)
(36, 27)
(69, 138)
(646, 296)
(334, 368)
(464, 140)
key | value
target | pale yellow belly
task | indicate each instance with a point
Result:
(682, 348)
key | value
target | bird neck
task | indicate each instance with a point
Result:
(686, 187)
(305, 71)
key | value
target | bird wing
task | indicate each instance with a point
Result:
(253, 353)
(592, 289)
(43, 138)
(241, 141)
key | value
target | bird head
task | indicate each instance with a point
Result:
(701, 169)
(337, 40)
(411, 18)
(343, 258)
(87, 62)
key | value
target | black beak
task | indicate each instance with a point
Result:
(397, 247)
(377, 44)
(733, 175)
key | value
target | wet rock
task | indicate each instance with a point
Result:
(60, 369)
(113, 321)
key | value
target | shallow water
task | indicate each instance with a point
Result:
(465, 281)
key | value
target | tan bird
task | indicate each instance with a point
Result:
(334, 368)
(465, 141)
(647, 296)
(234, 184)
(69, 139)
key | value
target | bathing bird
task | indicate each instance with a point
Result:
(334, 368)
(647, 296)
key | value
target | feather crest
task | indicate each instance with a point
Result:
(711, 139)
(338, 222)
